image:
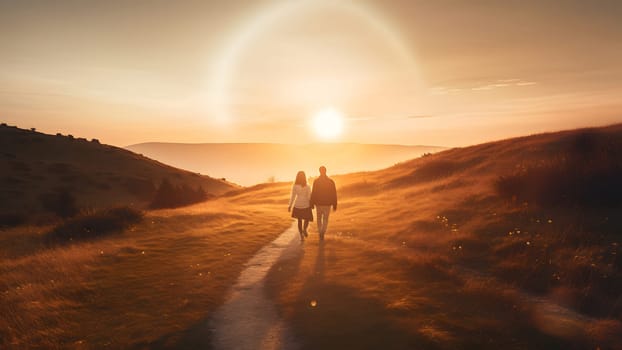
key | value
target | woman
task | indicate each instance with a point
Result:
(301, 196)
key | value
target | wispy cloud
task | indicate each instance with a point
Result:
(442, 90)
(497, 84)
(503, 83)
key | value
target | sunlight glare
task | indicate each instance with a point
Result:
(328, 123)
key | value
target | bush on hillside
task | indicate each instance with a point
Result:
(12, 219)
(62, 203)
(94, 225)
(172, 196)
(586, 174)
(139, 187)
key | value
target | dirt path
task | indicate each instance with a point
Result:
(248, 319)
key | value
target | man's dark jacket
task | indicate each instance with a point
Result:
(324, 192)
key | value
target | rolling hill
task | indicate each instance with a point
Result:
(252, 163)
(511, 244)
(34, 165)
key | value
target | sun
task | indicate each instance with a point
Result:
(328, 123)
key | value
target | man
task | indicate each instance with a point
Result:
(323, 196)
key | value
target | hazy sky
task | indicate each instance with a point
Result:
(401, 71)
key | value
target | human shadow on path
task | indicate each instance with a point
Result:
(247, 319)
(335, 316)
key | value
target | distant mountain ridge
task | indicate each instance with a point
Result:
(252, 163)
(33, 165)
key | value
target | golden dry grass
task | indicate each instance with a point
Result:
(427, 255)
(152, 286)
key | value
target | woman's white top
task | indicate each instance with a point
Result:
(301, 196)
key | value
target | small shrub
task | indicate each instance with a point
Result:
(141, 188)
(12, 219)
(61, 203)
(171, 196)
(95, 225)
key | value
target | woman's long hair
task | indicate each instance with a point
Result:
(301, 179)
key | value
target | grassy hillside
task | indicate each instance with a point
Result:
(151, 285)
(450, 250)
(510, 244)
(35, 168)
(252, 163)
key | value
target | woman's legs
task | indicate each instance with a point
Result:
(303, 225)
(301, 229)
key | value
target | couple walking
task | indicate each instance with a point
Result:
(322, 197)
